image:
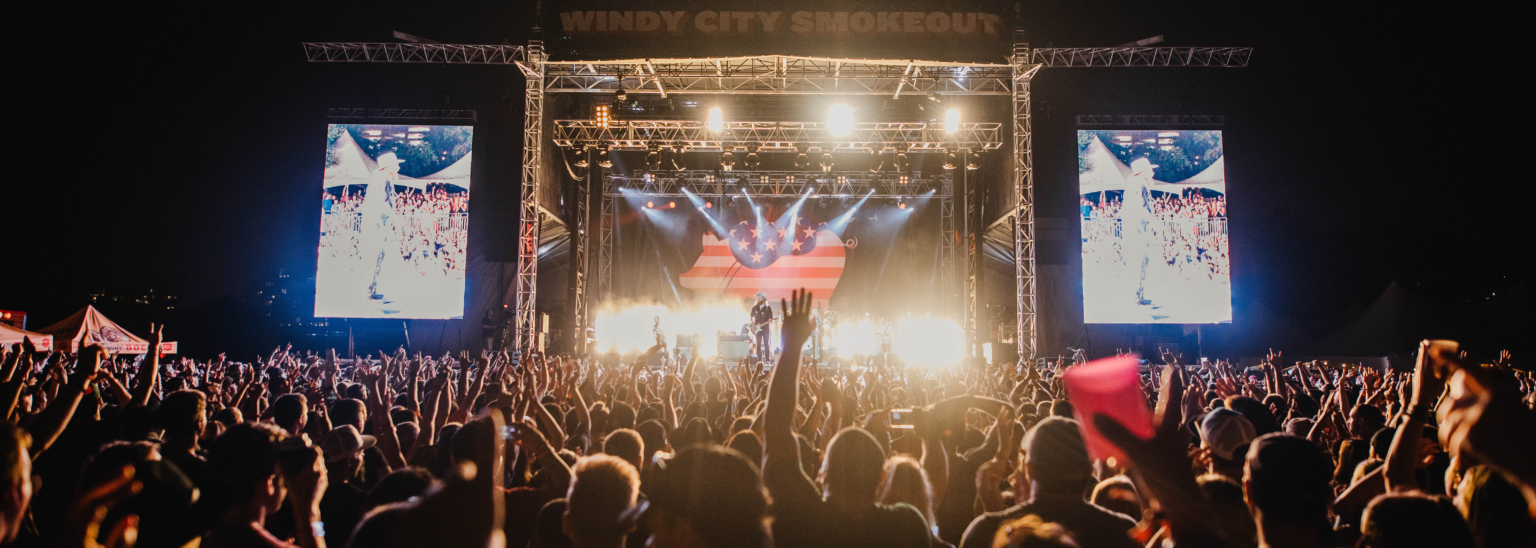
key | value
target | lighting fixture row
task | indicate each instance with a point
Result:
(839, 119)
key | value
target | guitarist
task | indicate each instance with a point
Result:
(762, 315)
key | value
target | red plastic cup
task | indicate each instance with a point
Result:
(1111, 387)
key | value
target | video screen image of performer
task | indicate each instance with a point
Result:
(1154, 251)
(394, 229)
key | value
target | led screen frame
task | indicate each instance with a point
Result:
(394, 228)
(1155, 243)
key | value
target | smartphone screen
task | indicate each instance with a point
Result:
(902, 418)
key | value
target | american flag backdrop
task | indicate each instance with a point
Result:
(775, 259)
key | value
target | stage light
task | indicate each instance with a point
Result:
(901, 205)
(826, 162)
(904, 179)
(933, 97)
(716, 121)
(727, 159)
(840, 120)
(952, 120)
(671, 204)
(650, 204)
(602, 116)
(709, 205)
(950, 161)
(621, 96)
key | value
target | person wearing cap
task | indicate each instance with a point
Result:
(1286, 481)
(762, 316)
(1058, 471)
(1225, 434)
(378, 207)
(345, 501)
(1138, 228)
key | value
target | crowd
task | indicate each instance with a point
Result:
(1194, 233)
(428, 225)
(497, 450)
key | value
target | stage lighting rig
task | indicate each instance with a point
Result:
(727, 160)
(752, 160)
(601, 116)
(952, 121)
(826, 162)
(606, 162)
(933, 97)
(621, 96)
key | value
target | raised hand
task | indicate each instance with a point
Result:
(797, 318)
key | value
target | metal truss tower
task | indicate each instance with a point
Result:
(1023, 177)
(529, 222)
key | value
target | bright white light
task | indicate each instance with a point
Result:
(952, 120)
(857, 337)
(630, 330)
(840, 120)
(929, 342)
(716, 120)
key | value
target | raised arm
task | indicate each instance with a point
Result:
(51, 422)
(1402, 458)
(779, 446)
(149, 372)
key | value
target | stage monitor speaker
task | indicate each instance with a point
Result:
(687, 341)
(735, 350)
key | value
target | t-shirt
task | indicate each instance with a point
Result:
(760, 315)
(1091, 525)
(803, 519)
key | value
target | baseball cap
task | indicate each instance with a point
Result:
(1223, 431)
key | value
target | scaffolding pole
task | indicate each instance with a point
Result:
(529, 220)
(1024, 205)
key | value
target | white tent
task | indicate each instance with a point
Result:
(354, 167)
(91, 326)
(11, 335)
(1107, 173)
(456, 174)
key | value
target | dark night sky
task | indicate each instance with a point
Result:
(180, 150)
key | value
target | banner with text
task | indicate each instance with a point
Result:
(969, 31)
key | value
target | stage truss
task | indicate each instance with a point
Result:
(779, 75)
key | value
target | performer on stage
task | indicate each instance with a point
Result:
(762, 316)
(1139, 226)
(378, 207)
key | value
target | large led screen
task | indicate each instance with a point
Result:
(1154, 213)
(394, 222)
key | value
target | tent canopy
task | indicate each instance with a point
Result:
(354, 167)
(11, 335)
(91, 326)
(1105, 172)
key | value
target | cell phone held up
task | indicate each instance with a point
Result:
(905, 418)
